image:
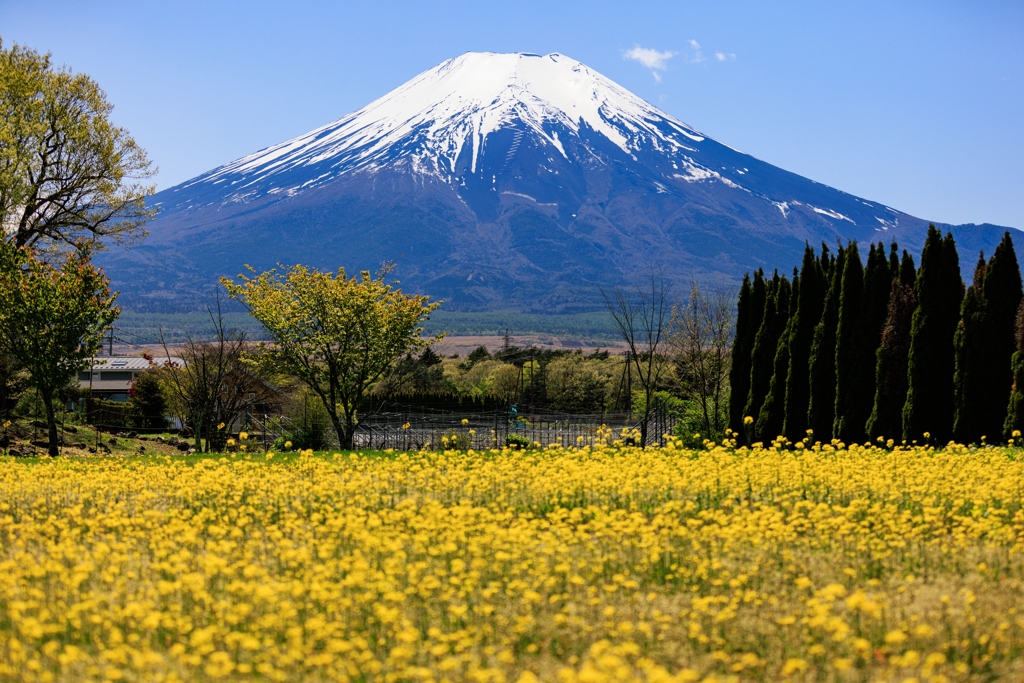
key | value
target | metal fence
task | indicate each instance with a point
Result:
(403, 428)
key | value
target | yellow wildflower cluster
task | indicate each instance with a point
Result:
(607, 564)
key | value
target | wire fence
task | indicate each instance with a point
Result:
(399, 427)
(390, 425)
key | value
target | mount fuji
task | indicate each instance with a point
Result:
(501, 181)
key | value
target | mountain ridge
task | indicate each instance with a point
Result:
(499, 180)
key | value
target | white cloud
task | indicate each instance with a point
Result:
(655, 60)
(697, 55)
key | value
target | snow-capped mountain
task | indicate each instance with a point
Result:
(502, 181)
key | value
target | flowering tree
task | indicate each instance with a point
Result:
(66, 171)
(336, 334)
(52, 319)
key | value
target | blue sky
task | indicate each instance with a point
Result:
(918, 105)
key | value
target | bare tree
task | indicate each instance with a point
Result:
(700, 332)
(212, 386)
(642, 315)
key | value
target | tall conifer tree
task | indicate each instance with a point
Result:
(762, 362)
(908, 271)
(931, 361)
(749, 314)
(848, 348)
(809, 305)
(821, 409)
(1002, 298)
(878, 279)
(740, 356)
(891, 358)
(969, 345)
(1015, 411)
(773, 411)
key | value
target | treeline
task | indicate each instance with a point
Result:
(551, 380)
(858, 351)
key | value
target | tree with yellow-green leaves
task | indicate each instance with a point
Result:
(52, 319)
(67, 173)
(337, 334)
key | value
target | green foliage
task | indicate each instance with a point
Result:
(931, 361)
(891, 361)
(847, 426)
(689, 423)
(1015, 410)
(478, 354)
(762, 360)
(66, 171)
(517, 442)
(772, 416)
(13, 383)
(749, 314)
(1003, 294)
(822, 406)
(574, 385)
(310, 424)
(809, 306)
(336, 334)
(53, 319)
(969, 379)
(985, 345)
(110, 415)
(148, 402)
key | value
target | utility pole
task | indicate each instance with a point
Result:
(533, 380)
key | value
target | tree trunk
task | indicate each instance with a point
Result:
(51, 424)
(345, 430)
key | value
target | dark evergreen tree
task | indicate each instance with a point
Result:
(931, 361)
(849, 342)
(874, 309)
(894, 261)
(908, 271)
(762, 361)
(1014, 424)
(772, 415)
(969, 346)
(1002, 298)
(821, 408)
(809, 304)
(749, 314)
(891, 358)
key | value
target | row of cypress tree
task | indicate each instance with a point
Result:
(855, 351)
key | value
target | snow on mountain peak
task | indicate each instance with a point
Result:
(457, 104)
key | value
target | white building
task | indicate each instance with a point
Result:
(111, 377)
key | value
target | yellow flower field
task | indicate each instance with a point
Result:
(609, 564)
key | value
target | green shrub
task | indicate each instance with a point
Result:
(517, 442)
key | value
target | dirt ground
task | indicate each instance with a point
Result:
(462, 345)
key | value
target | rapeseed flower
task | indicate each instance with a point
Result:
(608, 563)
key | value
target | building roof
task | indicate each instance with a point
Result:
(129, 362)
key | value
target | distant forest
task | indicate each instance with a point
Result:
(133, 327)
